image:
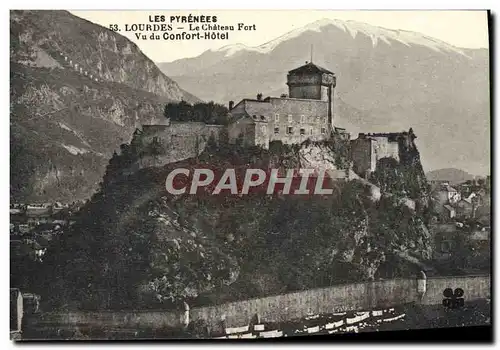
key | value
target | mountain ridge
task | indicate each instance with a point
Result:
(452, 175)
(77, 91)
(353, 27)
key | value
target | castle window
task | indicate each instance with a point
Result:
(262, 117)
(302, 119)
(254, 116)
(311, 131)
(289, 130)
(263, 128)
(323, 130)
(276, 118)
(276, 131)
(290, 119)
(156, 139)
(302, 131)
(324, 120)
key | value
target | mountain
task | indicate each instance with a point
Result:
(387, 80)
(454, 176)
(78, 91)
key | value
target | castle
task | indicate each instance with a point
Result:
(306, 113)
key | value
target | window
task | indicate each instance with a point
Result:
(262, 117)
(302, 131)
(289, 130)
(323, 130)
(445, 246)
(276, 117)
(311, 131)
(302, 119)
(156, 139)
(263, 128)
(290, 119)
(276, 131)
(324, 120)
(254, 116)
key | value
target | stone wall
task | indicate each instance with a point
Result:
(178, 140)
(368, 149)
(308, 119)
(385, 148)
(349, 297)
(361, 155)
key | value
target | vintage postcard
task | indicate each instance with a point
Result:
(248, 174)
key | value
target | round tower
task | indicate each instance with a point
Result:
(313, 83)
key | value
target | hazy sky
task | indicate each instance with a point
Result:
(459, 28)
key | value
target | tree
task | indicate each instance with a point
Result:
(205, 112)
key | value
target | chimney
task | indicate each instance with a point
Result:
(259, 96)
(231, 105)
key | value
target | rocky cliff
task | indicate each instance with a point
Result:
(209, 248)
(77, 92)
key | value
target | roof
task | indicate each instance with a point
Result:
(449, 207)
(310, 68)
(450, 189)
(467, 200)
(255, 109)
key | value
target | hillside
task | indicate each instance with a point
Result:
(78, 91)
(136, 243)
(452, 175)
(387, 80)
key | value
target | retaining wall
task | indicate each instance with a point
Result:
(348, 297)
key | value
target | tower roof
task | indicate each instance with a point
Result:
(310, 68)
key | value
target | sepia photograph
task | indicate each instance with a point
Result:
(250, 174)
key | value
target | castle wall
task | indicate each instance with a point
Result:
(244, 128)
(367, 150)
(262, 134)
(306, 91)
(313, 122)
(361, 155)
(383, 148)
(299, 79)
(179, 140)
(307, 118)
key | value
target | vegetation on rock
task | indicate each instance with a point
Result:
(136, 244)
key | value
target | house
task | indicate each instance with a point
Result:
(444, 240)
(449, 211)
(444, 194)
(465, 208)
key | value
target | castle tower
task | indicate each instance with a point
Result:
(313, 83)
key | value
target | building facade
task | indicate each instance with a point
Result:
(305, 113)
